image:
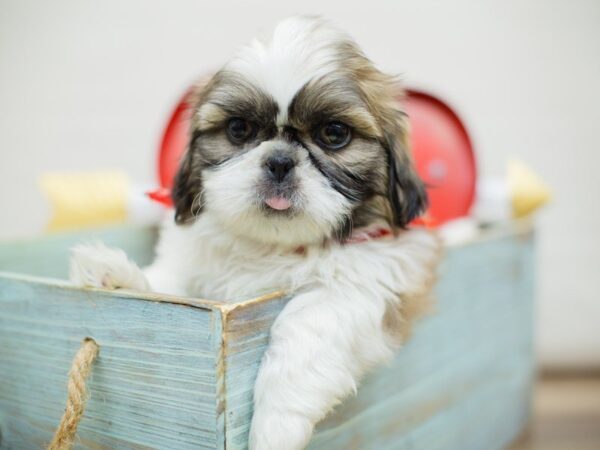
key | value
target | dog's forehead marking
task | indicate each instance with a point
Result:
(300, 49)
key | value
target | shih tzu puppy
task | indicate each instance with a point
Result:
(297, 177)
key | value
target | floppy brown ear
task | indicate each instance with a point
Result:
(187, 187)
(406, 191)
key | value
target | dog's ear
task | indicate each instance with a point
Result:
(187, 186)
(406, 192)
(406, 195)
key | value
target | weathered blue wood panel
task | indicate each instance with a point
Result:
(153, 385)
(245, 339)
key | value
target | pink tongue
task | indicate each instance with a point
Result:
(278, 203)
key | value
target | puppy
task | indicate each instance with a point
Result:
(297, 177)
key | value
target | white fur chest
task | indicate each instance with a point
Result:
(206, 262)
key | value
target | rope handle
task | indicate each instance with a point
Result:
(77, 395)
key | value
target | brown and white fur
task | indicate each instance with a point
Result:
(264, 202)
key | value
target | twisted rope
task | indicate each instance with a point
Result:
(76, 395)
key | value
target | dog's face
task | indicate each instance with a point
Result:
(298, 140)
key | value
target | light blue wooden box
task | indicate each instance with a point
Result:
(177, 373)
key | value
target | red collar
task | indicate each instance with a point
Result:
(360, 235)
(367, 234)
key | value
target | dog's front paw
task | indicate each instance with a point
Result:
(277, 430)
(97, 265)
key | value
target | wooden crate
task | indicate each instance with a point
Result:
(177, 373)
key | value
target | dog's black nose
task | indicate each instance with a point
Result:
(278, 166)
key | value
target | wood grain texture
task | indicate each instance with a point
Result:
(245, 339)
(176, 373)
(153, 383)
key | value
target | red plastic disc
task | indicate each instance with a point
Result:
(443, 155)
(174, 143)
(441, 147)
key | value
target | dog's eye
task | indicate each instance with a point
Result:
(333, 135)
(239, 130)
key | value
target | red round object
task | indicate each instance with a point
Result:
(443, 156)
(174, 142)
(441, 148)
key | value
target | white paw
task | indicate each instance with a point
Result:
(97, 265)
(277, 430)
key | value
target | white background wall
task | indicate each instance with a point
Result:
(87, 85)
